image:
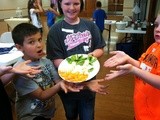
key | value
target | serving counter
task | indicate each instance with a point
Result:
(12, 22)
(11, 57)
(109, 23)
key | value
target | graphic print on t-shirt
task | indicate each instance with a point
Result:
(75, 39)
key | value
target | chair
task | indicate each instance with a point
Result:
(6, 37)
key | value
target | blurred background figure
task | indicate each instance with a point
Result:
(99, 15)
(51, 15)
(55, 2)
(34, 10)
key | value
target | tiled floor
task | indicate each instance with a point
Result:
(115, 37)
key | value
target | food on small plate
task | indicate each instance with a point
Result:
(79, 68)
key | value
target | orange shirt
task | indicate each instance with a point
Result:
(146, 97)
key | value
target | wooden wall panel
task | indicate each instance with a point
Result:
(8, 7)
(90, 6)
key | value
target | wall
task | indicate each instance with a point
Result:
(8, 7)
(89, 8)
(104, 5)
(127, 7)
(158, 7)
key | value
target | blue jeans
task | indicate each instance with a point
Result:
(78, 105)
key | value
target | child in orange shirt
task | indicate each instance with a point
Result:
(147, 77)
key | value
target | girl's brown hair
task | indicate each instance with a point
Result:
(61, 11)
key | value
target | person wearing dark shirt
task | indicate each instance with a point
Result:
(99, 15)
(5, 106)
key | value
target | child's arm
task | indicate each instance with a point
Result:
(97, 52)
(40, 8)
(57, 62)
(54, 11)
(8, 73)
(5, 69)
(94, 86)
(45, 94)
(148, 77)
(120, 58)
(48, 93)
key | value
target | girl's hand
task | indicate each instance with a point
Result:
(39, 2)
(70, 87)
(94, 86)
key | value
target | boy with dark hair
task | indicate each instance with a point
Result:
(35, 97)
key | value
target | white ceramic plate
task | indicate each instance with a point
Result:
(78, 68)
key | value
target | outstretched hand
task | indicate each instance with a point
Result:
(121, 70)
(94, 86)
(26, 70)
(5, 69)
(70, 87)
(119, 57)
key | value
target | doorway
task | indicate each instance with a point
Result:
(115, 7)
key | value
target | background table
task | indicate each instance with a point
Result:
(11, 57)
(133, 46)
(131, 31)
(12, 22)
(109, 23)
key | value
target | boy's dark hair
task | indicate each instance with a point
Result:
(99, 4)
(23, 30)
(61, 11)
